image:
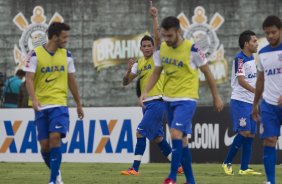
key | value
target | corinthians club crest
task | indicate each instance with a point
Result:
(33, 34)
(204, 35)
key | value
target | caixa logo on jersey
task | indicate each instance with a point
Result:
(93, 136)
(204, 35)
(33, 34)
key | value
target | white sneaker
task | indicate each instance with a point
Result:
(266, 182)
(59, 179)
(51, 183)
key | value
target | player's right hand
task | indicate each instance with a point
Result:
(80, 112)
(130, 63)
(36, 105)
(218, 103)
(255, 113)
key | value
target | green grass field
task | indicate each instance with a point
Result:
(104, 173)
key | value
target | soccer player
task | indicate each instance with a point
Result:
(180, 59)
(269, 86)
(243, 79)
(49, 73)
(151, 125)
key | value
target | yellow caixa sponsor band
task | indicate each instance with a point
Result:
(51, 77)
(181, 80)
(145, 69)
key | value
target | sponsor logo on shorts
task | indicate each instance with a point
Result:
(58, 126)
(242, 122)
(178, 124)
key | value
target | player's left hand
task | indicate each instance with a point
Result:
(80, 112)
(218, 103)
(280, 101)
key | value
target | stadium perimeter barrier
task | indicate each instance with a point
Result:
(108, 135)
(212, 135)
(104, 135)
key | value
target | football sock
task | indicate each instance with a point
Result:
(46, 158)
(269, 160)
(176, 157)
(139, 151)
(165, 148)
(55, 162)
(246, 153)
(187, 165)
(237, 143)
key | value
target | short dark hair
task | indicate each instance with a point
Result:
(170, 22)
(244, 37)
(56, 28)
(147, 38)
(20, 73)
(272, 20)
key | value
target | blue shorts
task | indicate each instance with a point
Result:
(151, 125)
(271, 120)
(241, 116)
(179, 115)
(52, 120)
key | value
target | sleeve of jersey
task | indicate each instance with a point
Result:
(259, 65)
(30, 62)
(70, 62)
(157, 58)
(198, 56)
(239, 67)
(134, 69)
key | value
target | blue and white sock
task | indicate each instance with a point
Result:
(237, 143)
(269, 161)
(55, 162)
(139, 151)
(246, 153)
